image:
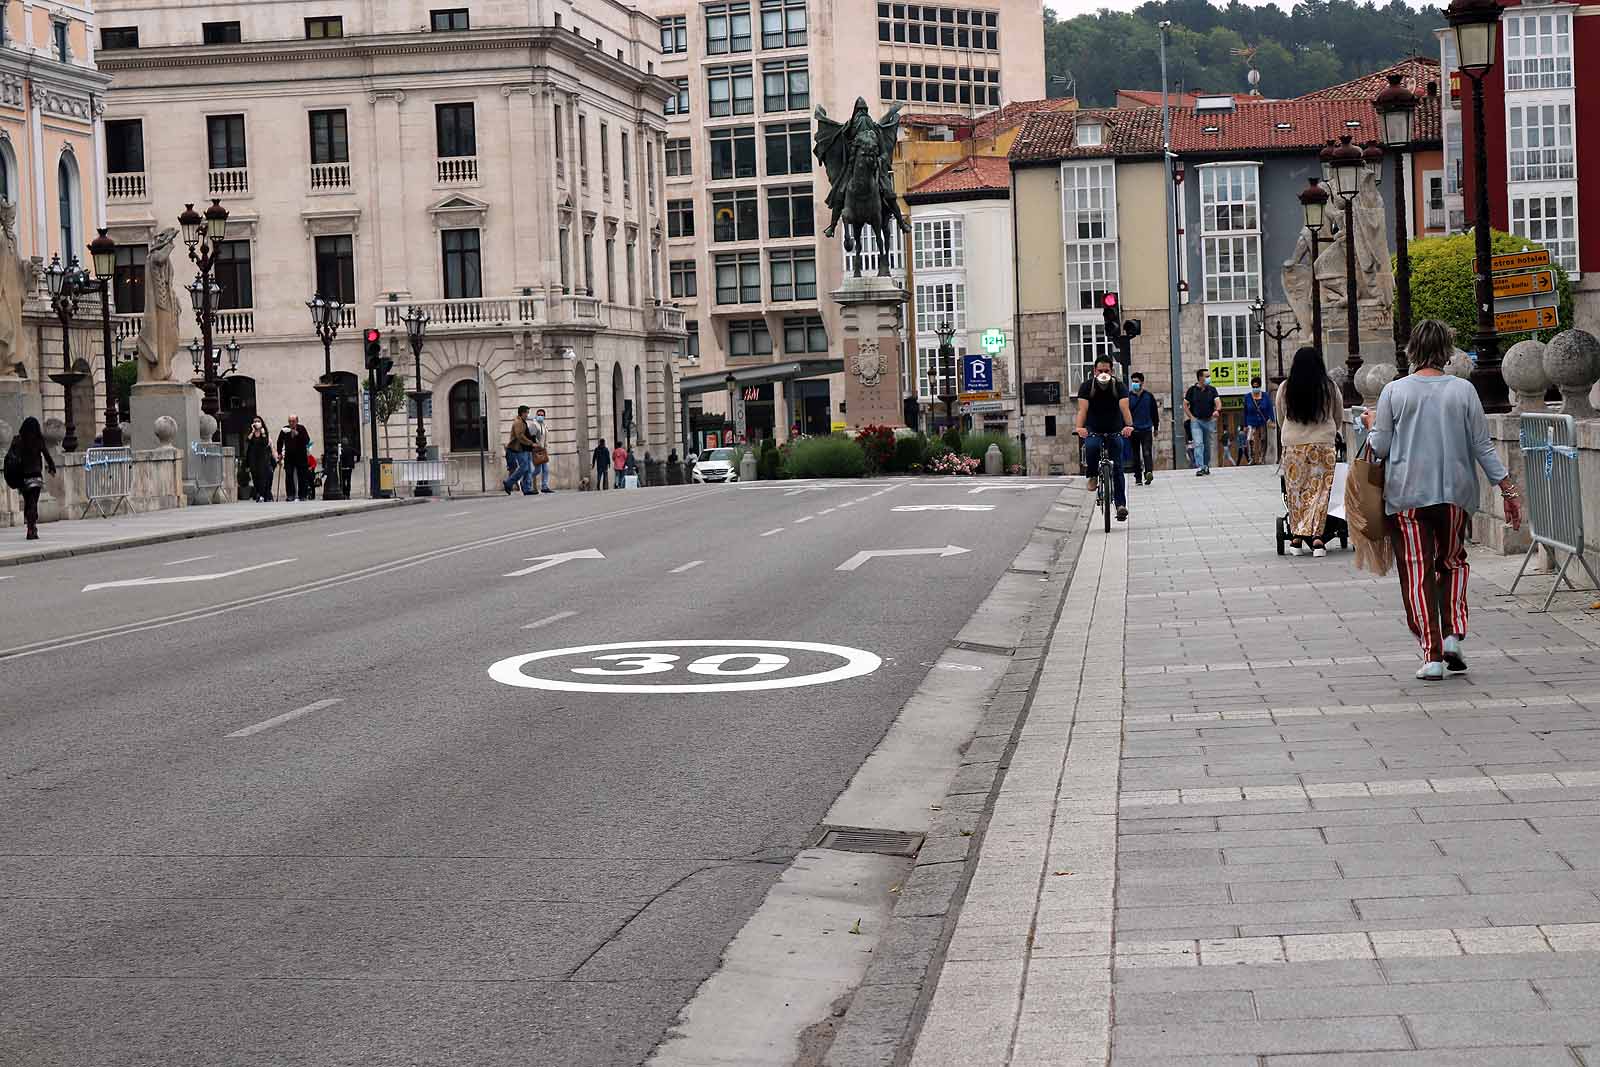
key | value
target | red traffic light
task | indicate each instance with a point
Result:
(373, 336)
(1110, 301)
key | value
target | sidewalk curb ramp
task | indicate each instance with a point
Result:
(885, 1013)
(143, 540)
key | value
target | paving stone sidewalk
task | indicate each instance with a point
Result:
(1238, 831)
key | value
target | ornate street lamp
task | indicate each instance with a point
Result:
(103, 250)
(1475, 24)
(1397, 108)
(1325, 159)
(325, 320)
(416, 320)
(1349, 164)
(732, 383)
(1277, 333)
(66, 284)
(202, 233)
(946, 331)
(1313, 208)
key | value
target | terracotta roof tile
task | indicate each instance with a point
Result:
(1051, 135)
(992, 123)
(1415, 74)
(971, 175)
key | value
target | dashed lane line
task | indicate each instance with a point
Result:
(288, 716)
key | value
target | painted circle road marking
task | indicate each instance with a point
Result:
(617, 660)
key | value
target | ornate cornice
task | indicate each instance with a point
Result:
(53, 101)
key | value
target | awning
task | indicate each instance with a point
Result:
(759, 375)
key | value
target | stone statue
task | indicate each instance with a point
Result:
(16, 279)
(158, 334)
(1374, 275)
(1331, 266)
(857, 156)
(1297, 284)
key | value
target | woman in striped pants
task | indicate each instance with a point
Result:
(1431, 431)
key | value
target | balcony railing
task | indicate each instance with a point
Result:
(1436, 218)
(663, 319)
(229, 321)
(328, 176)
(458, 170)
(127, 325)
(473, 313)
(347, 317)
(229, 181)
(125, 186)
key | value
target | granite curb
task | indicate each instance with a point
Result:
(143, 540)
(885, 1013)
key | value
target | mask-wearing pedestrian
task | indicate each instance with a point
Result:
(539, 419)
(1102, 380)
(1135, 387)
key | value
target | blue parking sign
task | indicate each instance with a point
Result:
(977, 374)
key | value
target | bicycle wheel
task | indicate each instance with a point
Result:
(1105, 493)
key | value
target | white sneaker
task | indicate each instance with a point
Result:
(1431, 672)
(1453, 659)
(1319, 552)
(1295, 550)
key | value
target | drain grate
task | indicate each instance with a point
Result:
(878, 842)
(993, 650)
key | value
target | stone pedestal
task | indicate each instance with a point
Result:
(178, 400)
(870, 309)
(19, 398)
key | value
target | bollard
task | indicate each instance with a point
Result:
(747, 466)
(993, 462)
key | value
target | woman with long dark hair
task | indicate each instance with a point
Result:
(1309, 408)
(258, 459)
(32, 459)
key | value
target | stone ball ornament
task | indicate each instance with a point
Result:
(55, 432)
(166, 430)
(1371, 379)
(1460, 365)
(208, 426)
(1572, 363)
(1523, 369)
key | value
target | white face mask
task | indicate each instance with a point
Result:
(1103, 379)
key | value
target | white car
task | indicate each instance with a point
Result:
(716, 465)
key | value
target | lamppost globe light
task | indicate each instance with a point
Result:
(233, 353)
(194, 353)
(103, 250)
(1396, 107)
(197, 295)
(55, 276)
(1314, 205)
(1347, 161)
(1325, 159)
(1475, 26)
(216, 221)
(416, 320)
(1372, 156)
(191, 221)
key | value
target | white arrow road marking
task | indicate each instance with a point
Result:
(944, 507)
(541, 563)
(179, 579)
(987, 488)
(548, 619)
(286, 717)
(859, 558)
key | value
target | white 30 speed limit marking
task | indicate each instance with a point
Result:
(636, 659)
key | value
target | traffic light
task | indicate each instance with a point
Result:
(1131, 328)
(1113, 313)
(379, 364)
(374, 348)
(383, 372)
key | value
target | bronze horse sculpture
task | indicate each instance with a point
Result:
(856, 156)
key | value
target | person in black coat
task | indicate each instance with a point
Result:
(28, 458)
(602, 464)
(294, 446)
(258, 460)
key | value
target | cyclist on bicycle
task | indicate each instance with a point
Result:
(1104, 420)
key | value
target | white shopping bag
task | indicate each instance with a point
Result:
(631, 481)
(1341, 472)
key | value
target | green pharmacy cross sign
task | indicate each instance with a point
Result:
(993, 341)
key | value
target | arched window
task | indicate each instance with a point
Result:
(466, 417)
(67, 193)
(8, 172)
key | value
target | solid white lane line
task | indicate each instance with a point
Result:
(190, 559)
(808, 518)
(286, 717)
(347, 533)
(455, 514)
(548, 619)
(774, 530)
(827, 511)
(691, 565)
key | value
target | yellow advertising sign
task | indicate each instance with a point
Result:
(1234, 373)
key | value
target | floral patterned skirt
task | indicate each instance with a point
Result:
(1308, 479)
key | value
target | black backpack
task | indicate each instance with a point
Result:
(14, 468)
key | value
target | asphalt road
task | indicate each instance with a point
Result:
(427, 865)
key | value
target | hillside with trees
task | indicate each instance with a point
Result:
(1314, 44)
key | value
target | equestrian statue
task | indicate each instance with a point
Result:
(858, 157)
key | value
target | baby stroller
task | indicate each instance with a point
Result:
(1335, 529)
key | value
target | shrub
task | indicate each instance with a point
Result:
(767, 460)
(1441, 285)
(910, 453)
(826, 457)
(977, 444)
(878, 443)
(952, 439)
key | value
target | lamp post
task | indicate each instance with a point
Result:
(325, 320)
(1475, 24)
(1314, 208)
(66, 283)
(416, 320)
(1348, 164)
(1277, 333)
(1397, 106)
(202, 233)
(947, 352)
(103, 250)
(732, 383)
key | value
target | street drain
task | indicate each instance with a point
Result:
(878, 842)
(993, 650)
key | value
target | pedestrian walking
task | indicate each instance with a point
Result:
(1200, 406)
(619, 466)
(1431, 432)
(519, 451)
(294, 452)
(26, 462)
(1311, 408)
(601, 458)
(541, 452)
(1146, 424)
(258, 460)
(1259, 413)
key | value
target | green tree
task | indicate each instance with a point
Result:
(1442, 287)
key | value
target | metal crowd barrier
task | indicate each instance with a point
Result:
(1552, 495)
(435, 472)
(206, 460)
(107, 477)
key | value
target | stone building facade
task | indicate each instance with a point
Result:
(502, 174)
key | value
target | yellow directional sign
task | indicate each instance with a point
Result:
(1517, 261)
(967, 398)
(1526, 319)
(1539, 281)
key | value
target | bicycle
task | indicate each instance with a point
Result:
(1106, 474)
